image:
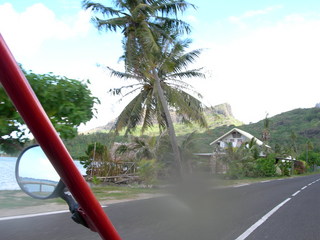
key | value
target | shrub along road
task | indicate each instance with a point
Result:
(277, 209)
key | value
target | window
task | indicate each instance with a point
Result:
(236, 135)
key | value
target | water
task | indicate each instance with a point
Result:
(7, 173)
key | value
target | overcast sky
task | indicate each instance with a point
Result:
(260, 56)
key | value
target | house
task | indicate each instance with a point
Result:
(236, 137)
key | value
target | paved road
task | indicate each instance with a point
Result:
(286, 209)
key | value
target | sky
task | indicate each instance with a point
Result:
(261, 57)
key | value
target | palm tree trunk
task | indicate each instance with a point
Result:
(172, 134)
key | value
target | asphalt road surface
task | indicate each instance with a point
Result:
(278, 209)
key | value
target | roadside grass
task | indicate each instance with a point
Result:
(16, 199)
(110, 192)
(11, 199)
(228, 182)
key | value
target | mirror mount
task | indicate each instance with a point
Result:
(74, 208)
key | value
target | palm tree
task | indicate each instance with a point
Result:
(266, 130)
(146, 24)
(146, 106)
(143, 148)
(164, 75)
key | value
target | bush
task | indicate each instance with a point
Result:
(299, 167)
(234, 171)
(265, 167)
(96, 181)
(285, 167)
(147, 170)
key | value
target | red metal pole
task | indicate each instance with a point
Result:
(27, 104)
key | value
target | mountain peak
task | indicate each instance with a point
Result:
(217, 115)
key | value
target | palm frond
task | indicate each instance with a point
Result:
(171, 24)
(99, 8)
(131, 115)
(149, 112)
(110, 24)
(118, 74)
(187, 106)
(142, 9)
(186, 89)
(187, 141)
(172, 7)
(118, 91)
(194, 73)
(147, 39)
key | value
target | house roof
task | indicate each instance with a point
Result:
(244, 133)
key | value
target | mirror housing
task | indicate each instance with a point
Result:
(36, 176)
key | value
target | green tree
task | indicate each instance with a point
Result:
(67, 102)
(98, 160)
(294, 149)
(187, 150)
(141, 147)
(266, 130)
(143, 23)
(313, 158)
(147, 170)
(12, 136)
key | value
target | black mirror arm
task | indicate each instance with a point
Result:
(78, 215)
(67, 196)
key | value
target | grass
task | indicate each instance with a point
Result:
(11, 199)
(16, 199)
(228, 182)
(120, 192)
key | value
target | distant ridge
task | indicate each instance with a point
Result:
(216, 116)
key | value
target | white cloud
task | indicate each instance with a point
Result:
(253, 13)
(191, 19)
(239, 20)
(26, 31)
(271, 70)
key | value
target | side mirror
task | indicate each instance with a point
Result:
(36, 176)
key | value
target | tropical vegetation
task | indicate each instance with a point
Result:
(67, 102)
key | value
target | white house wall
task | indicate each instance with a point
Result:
(236, 142)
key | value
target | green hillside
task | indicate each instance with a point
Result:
(305, 123)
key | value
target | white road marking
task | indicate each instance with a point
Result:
(304, 187)
(296, 193)
(241, 185)
(261, 221)
(32, 215)
(37, 214)
(266, 181)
